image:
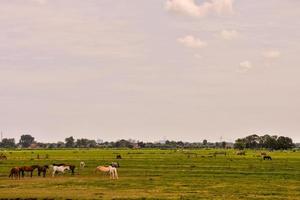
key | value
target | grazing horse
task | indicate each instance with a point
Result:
(28, 169)
(3, 157)
(42, 169)
(111, 170)
(82, 165)
(72, 167)
(267, 158)
(61, 169)
(115, 164)
(14, 172)
(241, 153)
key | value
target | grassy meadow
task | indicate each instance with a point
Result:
(156, 174)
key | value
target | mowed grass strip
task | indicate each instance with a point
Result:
(156, 174)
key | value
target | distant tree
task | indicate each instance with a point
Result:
(141, 144)
(284, 143)
(204, 142)
(180, 144)
(223, 144)
(123, 143)
(70, 142)
(85, 143)
(8, 143)
(81, 143)
(252, 141)
(240, 144)
(265, 141)
(26, 140)
(91, 144)
(170, 144)
(52, 145)
(268, 142)
(60, 144)
(217, 144)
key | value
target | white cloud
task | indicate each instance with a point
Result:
(192, 42)
(229, 34)
(245, 66)
(271, 53)
(191, 8)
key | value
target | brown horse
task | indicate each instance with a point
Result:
(14, 172)
(72, 167)
(112, 171)
(28, 169)
(42, 169)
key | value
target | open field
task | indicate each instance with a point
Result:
(157, 174)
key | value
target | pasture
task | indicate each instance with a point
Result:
(156, 174)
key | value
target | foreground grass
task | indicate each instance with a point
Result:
(157, 174)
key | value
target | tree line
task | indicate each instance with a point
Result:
(273, 142)
(249, 142)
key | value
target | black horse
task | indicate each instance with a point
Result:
(267, 158)
(42, 169)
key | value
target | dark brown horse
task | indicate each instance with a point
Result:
(72, 167)
(14, 172)
(42, 169)
(28, 169)
(267, 158)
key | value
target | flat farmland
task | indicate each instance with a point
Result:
(155, 174)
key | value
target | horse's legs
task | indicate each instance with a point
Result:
(44, 173)
(31, 174)
(21, 173)
(116, 174)
(111, 174)
(73, 170)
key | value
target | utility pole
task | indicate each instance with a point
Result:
(1, 136)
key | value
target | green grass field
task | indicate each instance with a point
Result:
(157, 174)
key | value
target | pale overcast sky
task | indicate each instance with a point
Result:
(149, 69)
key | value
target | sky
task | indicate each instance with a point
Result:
(149, 70)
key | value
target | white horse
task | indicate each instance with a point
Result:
(61, 169)
(82, 165)
(111, 170)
